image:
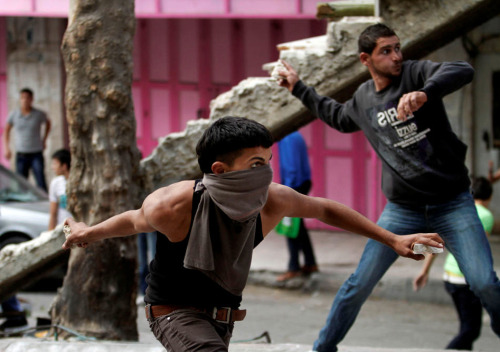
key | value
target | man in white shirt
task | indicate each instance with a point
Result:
(61, 163)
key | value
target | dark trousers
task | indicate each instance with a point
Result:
(12, 305)
(470, 314)
(302, 241)
(34, 161)
(189, 330)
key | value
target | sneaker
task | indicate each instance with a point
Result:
(288, 275)
(14, 325)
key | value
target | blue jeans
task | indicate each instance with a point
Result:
(27, 161)
(456, 221)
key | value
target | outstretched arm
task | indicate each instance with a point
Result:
(339, 215)
(124, 224)
(294, 204)
(327, 109)
(167, 210)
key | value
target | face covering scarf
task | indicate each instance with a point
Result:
(222, 237)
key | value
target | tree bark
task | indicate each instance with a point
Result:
(98, 294)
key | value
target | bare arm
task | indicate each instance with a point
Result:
(6, 140)
(124, 224)
(421, 280)
(53, 215)
(47, 130)
(167, 210)
(339, 215)
(293, 204)
(493, 176)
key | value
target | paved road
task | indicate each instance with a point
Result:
(294, 317)
(394, 318)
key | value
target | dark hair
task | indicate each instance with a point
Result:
(224, 140)
(482, 188)
(27, 90)
(368, 38)
(64, 157)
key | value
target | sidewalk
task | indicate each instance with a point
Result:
(337, 255)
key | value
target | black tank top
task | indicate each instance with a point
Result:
(169, 282)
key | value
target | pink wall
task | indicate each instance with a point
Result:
(181, 65)
(226, 8)
(176, 8)
(344, 169)
(3, 86)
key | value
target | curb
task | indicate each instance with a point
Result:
(400, 288)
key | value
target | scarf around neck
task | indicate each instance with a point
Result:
(222, 236)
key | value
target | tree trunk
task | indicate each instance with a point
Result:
(99, 290)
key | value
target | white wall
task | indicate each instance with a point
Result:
(470, 109)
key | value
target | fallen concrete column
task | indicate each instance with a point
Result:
(24, 263)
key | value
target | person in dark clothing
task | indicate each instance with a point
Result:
(295, 173)
(15, 321)
(424, 177)
(206, 231)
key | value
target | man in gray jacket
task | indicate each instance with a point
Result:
(424, 177)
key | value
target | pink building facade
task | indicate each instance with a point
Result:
(188, 52)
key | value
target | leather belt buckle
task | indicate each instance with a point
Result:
(228, 311)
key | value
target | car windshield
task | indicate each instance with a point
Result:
(14, 188)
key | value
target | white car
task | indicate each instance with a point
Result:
(24, 209)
